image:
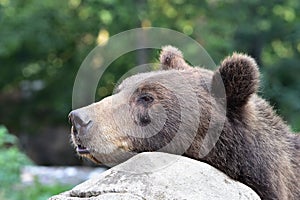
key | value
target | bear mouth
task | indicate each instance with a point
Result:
(82, 150)
(85, 152)
(79, 147)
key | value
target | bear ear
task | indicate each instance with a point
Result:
(240, 76)
(172, 58)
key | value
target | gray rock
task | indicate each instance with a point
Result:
(160, 176)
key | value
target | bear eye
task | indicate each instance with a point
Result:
(145, 99)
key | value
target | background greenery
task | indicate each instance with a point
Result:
(42, 44)
(11, 161)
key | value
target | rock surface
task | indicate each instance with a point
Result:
(160, 176)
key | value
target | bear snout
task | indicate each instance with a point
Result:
(81, 123)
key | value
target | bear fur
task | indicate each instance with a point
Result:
(254, 146)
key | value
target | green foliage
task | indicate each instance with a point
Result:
(43, 43)
(11, 161)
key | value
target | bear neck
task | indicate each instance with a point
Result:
(246, 151)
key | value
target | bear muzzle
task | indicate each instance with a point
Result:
(81, 125)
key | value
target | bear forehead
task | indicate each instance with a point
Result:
(195, 76)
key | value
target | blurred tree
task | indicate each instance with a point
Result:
(42, 44)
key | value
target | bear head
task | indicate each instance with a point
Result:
(178, 109)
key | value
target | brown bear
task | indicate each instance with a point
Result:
(214, 117)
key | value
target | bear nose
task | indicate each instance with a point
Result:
(81, 122)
